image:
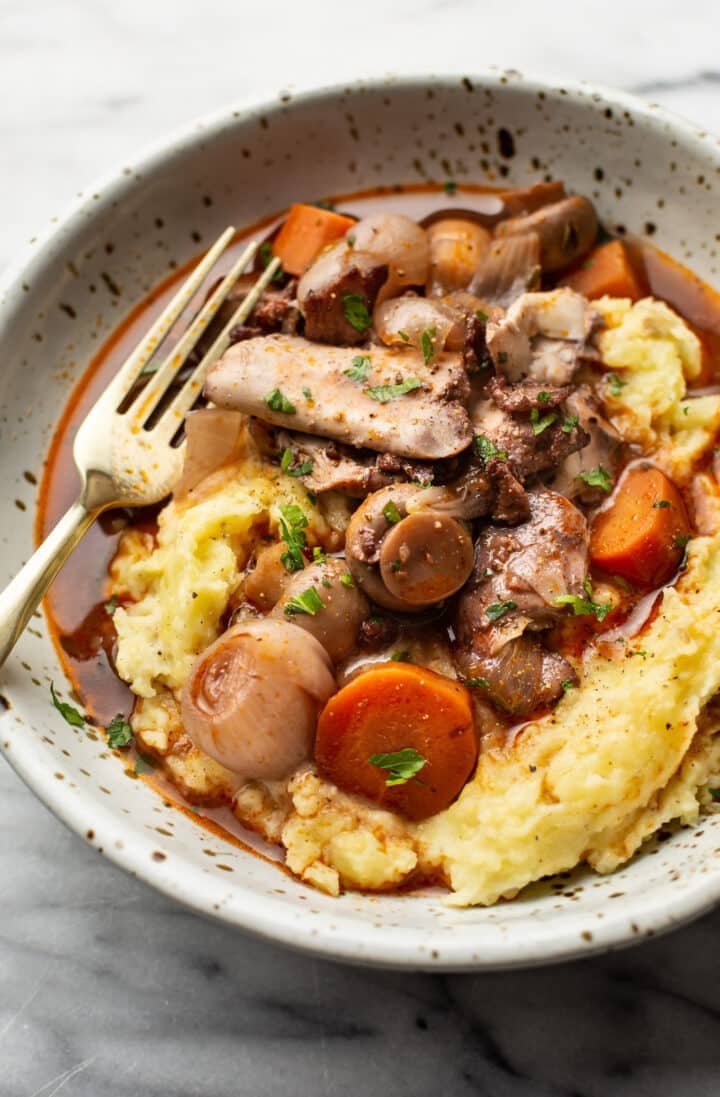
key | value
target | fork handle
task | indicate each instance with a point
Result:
(23, 595)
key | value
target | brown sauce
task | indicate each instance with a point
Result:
(80, 623)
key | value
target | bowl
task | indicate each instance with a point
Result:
(643, 168)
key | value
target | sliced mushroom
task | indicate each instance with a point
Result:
(511, 267)
(252, 699)
(344, 607)
(406, 561)
(426, 421)
(566, 231)
(457, 247)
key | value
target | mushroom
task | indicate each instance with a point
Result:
(344, 607)
(566, 230)
(406, 561)
(457, 247)
(253, 697)
(399, 242)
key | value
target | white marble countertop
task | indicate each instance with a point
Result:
(106, 987)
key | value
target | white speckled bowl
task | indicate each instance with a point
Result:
(643, 168)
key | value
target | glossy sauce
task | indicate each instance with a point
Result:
(79, 620)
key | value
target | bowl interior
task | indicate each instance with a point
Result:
(645, 171)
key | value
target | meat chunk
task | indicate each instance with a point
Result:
(526, 395)
(355, 472)
(601, 451)
(528, 450)
(511, 504)
(339, 280)
(391, 402)
(522, 676)
(541, 336)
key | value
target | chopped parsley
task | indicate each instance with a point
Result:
(499, 609)
(450, 187)
(358, 370)
(68, 713)
(502, 357)
(715, 793)
(292, 527)
(111, 605)
(143, 765)
(487, 449)
(682, 541)
(404, 336)
(351, 238)
(585, 606)
(615, 384)
(385, 393)
(319, 557)
(401, 765)
(660, 504)
(543, 397)
(597, 478)
(482, 316)
(307, 393)
(476, 683)
(355, 311)
(569, 424)
(567, 685)
(266, 257)
(308, 602)
(277, 401)
(396, 565)
(391, 513)
(347, 580)
(119, 732)
(401, 657)
(286, 464)
(541, 422)
(427, 344)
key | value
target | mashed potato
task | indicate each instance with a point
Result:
(631, 749)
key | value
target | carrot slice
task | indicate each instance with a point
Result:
(307, 229)
(607, 270)
(642, 534)
(397, 708)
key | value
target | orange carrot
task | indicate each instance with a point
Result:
(307, 229)
(643, 533)
(607, 270)
(404, 724)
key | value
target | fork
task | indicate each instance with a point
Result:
(124, 459)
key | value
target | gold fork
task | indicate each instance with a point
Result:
(123, 459)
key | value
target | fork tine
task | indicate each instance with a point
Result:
(172, 417)
(138, 358)
(152, 393)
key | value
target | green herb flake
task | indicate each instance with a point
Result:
(385, 393)
(686, 409)
(427, 344)
(355, 311)
(661, 504)
(715, 793)
(391, 513)
(307, 393)
(615, 384)
(502, 357)
(309, 602)
(68, 713)
(568, 684)
(401, 657)
(119, 733)
(111, 605)
(277, 401)
(585, 607)
(543, 398)
(286, 464)
(143, 765)
(476, 683)
(482, 316)
(499, 609)
(267, 255)
(450, 187)
(404, 336)
(292, 526)
(351, 238)
(347, 580)
(569, 424)
(541, 423)
(597, 478)
(358, 370)
(326, 583)
(401, 765)
(396, 565)
(319, 557)
(681, 541)
(487, 449)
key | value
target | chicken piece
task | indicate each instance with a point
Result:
(388, 400)
(541, 336)
(527, 449)
(355, 472)
(510, 268)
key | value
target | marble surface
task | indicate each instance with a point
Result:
(108, 988)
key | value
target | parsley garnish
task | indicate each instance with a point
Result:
(426, 342)
(660, 504)
(277, 401)
(499, 609)
(567, 685)
(319, 557)
(359, 368)
(570, 423)
(404, 336)
(396, 565)
(502, 357)
(615, 384)
(597, 478)
(347, 580)
(401, 657)
(483, 316)
(476, 683)
(111, 605)
(391, 513)
(543, 397)
(585, 606)
(292, 526)
(682, 541)
(355, 311)
(68, 713)
(715, 793)
(286, 464)
(266, 257)
(307, 393)
(487, 449)
(402, 765)
(541, 423)
(351, 238)
(385, 393)
(450, 187)
(119, 732)
(143, 765)
(308, 602)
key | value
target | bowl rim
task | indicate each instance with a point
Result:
(348, 939)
